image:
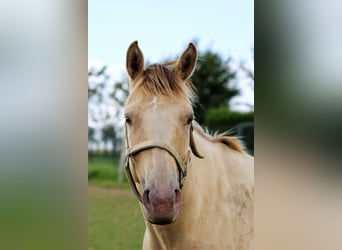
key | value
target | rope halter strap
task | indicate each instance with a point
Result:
(146, 145)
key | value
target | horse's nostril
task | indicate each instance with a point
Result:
(178, 198)
(146, 197)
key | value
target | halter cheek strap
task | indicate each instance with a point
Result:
(181, 166)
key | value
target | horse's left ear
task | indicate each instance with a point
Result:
(186, 64)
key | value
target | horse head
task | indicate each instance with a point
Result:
(158, 125)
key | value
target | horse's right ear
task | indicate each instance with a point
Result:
(134, 61)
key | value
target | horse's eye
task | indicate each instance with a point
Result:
(128, 120)
(190, 119)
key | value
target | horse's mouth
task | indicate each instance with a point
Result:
(160, 218)
(162, 211)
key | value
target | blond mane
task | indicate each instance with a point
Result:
(232, 142)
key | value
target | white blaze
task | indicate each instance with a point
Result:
(154, 102)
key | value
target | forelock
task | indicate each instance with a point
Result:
(161, 80)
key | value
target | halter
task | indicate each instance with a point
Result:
(181, 166)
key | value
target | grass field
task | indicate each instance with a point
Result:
(114, 217)
(103, 171)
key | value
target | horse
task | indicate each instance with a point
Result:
(195, 190)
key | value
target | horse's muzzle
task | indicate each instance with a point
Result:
(162, 207)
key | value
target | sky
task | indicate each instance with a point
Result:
(164, 29)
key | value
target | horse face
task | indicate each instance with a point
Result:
(155, 169)
(159, 109)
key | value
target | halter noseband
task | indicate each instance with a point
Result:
(181, 166)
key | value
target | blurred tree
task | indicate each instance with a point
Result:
(106, 100)
(109, 136)
(101, 106)
(91, 139)
(249, 73)
(248, 70)
(120, 92)
(91, 134)
(97, 79)
(213, 79)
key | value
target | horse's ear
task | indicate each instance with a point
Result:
(134, 61)
(186, 64)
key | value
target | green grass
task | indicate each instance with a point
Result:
(108, 184)
(114, 217)
(103, 171)
(114, 222)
